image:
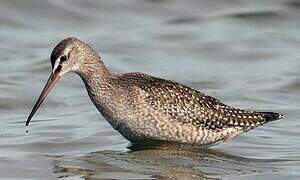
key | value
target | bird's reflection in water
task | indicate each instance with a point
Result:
(163, 161)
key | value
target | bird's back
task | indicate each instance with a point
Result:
(188, 110)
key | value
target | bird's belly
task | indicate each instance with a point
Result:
(164, 129)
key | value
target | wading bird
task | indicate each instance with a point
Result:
(146, 108)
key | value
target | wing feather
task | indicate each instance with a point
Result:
(186, 105)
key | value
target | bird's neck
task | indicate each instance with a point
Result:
(98, 81)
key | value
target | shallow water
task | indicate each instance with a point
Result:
(245, 53)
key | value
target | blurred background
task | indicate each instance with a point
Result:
(243, 52)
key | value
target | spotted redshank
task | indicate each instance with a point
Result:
(146, 108)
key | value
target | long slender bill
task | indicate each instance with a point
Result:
(54, 77)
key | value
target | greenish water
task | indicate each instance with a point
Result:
(245, 53)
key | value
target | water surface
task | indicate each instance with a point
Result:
(245, 53)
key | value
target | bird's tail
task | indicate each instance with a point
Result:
(271, 116)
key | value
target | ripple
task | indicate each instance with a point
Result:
(183, 20)
(256, 14)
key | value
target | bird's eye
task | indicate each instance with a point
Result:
(63, 58)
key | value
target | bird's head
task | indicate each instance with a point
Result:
(69, 55)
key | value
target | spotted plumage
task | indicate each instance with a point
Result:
(143, 107)
(187, 105)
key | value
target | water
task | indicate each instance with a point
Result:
(245, 53)
(26, 131)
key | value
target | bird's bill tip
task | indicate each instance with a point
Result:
(54, 77)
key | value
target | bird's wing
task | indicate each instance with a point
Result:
(190, 106)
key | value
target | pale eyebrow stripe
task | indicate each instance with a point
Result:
(57, 62)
